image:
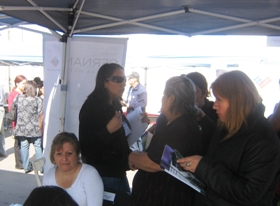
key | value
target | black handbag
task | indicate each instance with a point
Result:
(13, 112)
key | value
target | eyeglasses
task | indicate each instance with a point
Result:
(117, 79)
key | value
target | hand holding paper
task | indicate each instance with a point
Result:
(189, 163)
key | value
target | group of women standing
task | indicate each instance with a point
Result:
(240, 166)
(29, 109)
(237, 158)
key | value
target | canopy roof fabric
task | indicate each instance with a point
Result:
(115, 17)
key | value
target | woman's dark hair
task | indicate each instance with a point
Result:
(105, 72)
(200, 81)
(60, 139)
(30, 89)
(49, 196)
(40, 85)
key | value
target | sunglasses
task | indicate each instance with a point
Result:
(116, 79)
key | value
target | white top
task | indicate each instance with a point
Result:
(87, 190)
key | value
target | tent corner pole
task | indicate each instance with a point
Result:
(64, 82)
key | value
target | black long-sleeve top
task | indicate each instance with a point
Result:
(244, 169)
(108, 153)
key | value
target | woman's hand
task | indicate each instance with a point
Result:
(190, 163)
(130, 162)
(115, 123)
(140, 160)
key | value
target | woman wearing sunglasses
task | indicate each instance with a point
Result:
(103, 128)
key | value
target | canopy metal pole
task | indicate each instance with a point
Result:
(133, 22)
(77, 16)
(48, 16)
(64, 82)
(31, 8)
(246, 22)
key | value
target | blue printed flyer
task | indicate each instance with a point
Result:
(168, 164)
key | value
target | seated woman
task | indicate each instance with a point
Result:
(241, 166)
(49, 196)
(81, 181)
(152, 186)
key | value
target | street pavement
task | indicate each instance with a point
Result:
(15, 185)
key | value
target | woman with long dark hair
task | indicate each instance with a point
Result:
(103, 128)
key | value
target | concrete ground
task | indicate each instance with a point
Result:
(15, 185)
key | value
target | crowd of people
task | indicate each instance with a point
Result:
(228, 144)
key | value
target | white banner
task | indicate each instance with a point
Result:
(87, 55)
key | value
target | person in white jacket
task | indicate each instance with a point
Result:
(82, 181)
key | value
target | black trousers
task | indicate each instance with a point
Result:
(17, 151)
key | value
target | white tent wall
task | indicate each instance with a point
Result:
(69, 84)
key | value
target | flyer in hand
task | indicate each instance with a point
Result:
(168, 164)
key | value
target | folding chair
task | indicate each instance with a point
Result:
(37, 166)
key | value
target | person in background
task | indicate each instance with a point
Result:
(274, 119)
(2, 115)
(137, 94)
(241, 166)
(152, 186)
(41, 90)
(40, 87)
(103, 128)
(19, 81)
(40, 94)
(29, 109)
(136, 97)
(202, 95)
(81, 181)
(37, 80)
(49, 196)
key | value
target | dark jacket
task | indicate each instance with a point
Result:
(108, 153)
(209, 111)
(242, 170)
(206, 126)
(160, 188)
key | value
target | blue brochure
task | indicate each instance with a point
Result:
(168, 164)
